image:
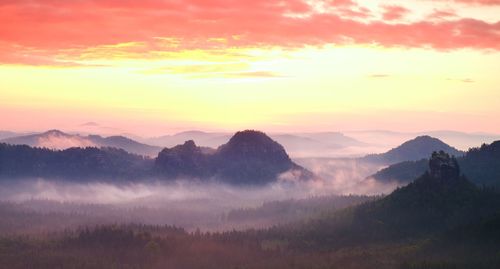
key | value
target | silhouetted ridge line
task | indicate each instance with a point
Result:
(481, 165)
(413, 150)
(250, 157)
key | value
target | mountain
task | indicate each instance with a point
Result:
(22, 161)
(439, 221)
(333, 137)
(52, 139)
(412, 150)
(439, 201)
(249, 157)
(481, 165)
(464, 140)
(321, 144)
(460, 140)
(206, 139)
(298, 145)
(7, 134)
(252, 156)
(55, 139)
(186, 160)
(403, 172)
(125, 143)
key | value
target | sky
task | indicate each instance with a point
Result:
(153, 67)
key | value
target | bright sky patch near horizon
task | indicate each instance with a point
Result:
(157, 66)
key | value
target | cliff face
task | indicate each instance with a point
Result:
(442, 166)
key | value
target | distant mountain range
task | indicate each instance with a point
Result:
(73, 164)
(205, 139)
(7, 134)
(481, 165)
(332, 144)
(460, 140)
(55, 139)
(250, 157)
(297, 144)
(187, 159)
(415, 149)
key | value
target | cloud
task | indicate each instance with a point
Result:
(464, 80)
(160, 193)
(10, 55)
(213, 70)
(379, 75)
(90, 123)
(202, 68)
(394, 12)
(345, 176)
(471, 2)
(63, 142)
(254, 74)
(439, 14)
(52, 32)
(479, 2)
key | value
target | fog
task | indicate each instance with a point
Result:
(154, 194)
(334, 176)
(190, 203)
(346, 176)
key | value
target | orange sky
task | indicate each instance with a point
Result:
(152, 67)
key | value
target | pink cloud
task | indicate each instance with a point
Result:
(254, 74)
(442, 14)
(479, 2)
(394, 12)
(39, 30)
(342, 3)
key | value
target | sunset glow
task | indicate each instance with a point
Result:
(159, 66)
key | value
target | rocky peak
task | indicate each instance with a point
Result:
(189, 145)
(185, 159)
(250, 143)
(250, 157)
(443, 166)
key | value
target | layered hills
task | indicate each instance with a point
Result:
(58, 140)
(412, 150)
(249, 157)
(481, 165)
(439, 202)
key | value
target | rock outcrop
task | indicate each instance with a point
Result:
(250, 157)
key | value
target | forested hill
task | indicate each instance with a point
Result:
(481, 166)
(55, 139)
(21, 161)
(440, 221)
(438, 202)
(250, 157)
(412, 150)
